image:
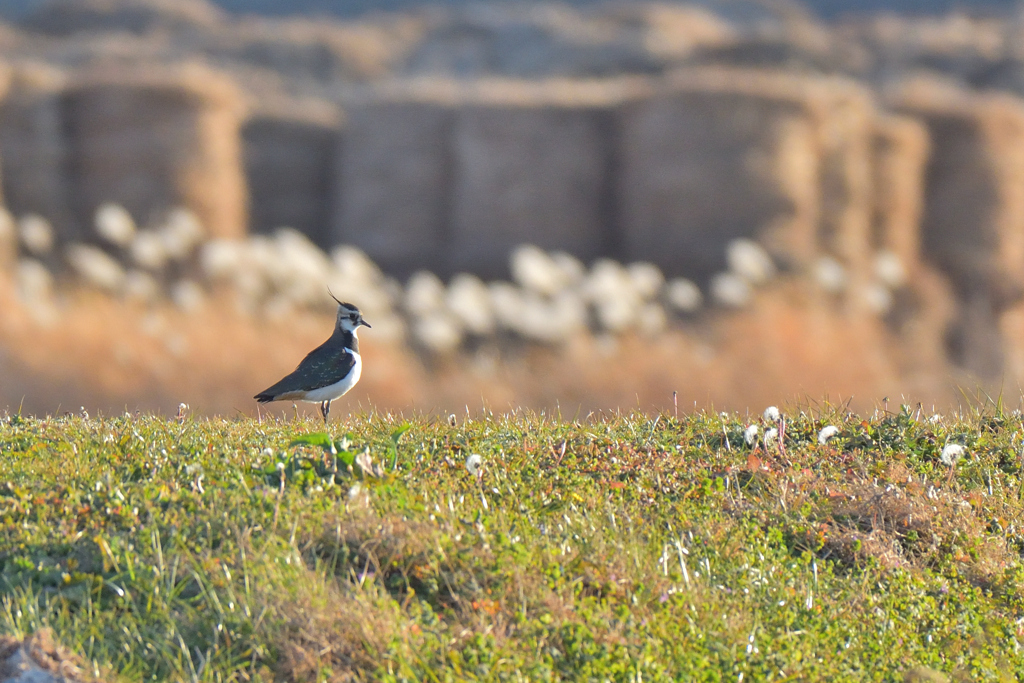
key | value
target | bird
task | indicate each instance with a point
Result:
(327, 372)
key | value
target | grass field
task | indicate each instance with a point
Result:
(520, 547)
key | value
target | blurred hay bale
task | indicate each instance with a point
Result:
(845, 115)
(901, 149)
(920, 302)
(720, 154)
(975, 178)
(289, 165)
(152, 141)
(973, 226)
(448, 176)
(392, 194)
(531, 165)
(34, 149)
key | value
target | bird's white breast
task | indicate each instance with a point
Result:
(339, 388)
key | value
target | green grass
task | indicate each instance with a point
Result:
(625, 548)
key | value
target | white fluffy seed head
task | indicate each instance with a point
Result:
(651, 320)
(616, 313)
(36, 234)
(534, 270)
(507, 303)
(607, 279)
(181, 233)
(877, 298)
(771, 414)
(683, 295)
(770, 435)
(114, 224)
(750, 261)
(750, 435)
(889, 269)
(221, 259)
(34, 282)
(147, 250)
(474, 464)
(573, 270)
(352, 264)
(468, 300)
(439, 333)
(646, 278)
(95, 267)
(830, 275)
(827, 433)
(141, 286)
(951, 453)
(730, 290)
(424, 294)
(188, 295)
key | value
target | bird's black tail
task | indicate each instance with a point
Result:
(264, 397)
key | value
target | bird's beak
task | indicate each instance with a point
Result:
(364, 323)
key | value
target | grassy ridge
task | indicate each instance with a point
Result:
(622, 548)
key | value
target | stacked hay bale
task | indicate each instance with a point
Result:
(723, 154)
(152, 141)
(393, 178)
(973, 226)
(900, 149)
(921, 303)
(289, 166)
(445, 176)
(34, 149)
(846, 115)
(531, 164)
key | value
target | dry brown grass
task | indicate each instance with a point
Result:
(917, 524)
(110, 356)
(332, 632)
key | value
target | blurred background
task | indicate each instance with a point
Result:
(567, 206)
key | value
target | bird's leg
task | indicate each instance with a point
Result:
(325, 410)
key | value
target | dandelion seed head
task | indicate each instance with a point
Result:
(750, 435)
(951, 453)
(771, 414)
(474, 463)
(114, 224)
(827, 433)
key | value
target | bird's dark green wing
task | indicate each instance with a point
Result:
(325, 365)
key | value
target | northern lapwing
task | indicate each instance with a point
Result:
(328, 371)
